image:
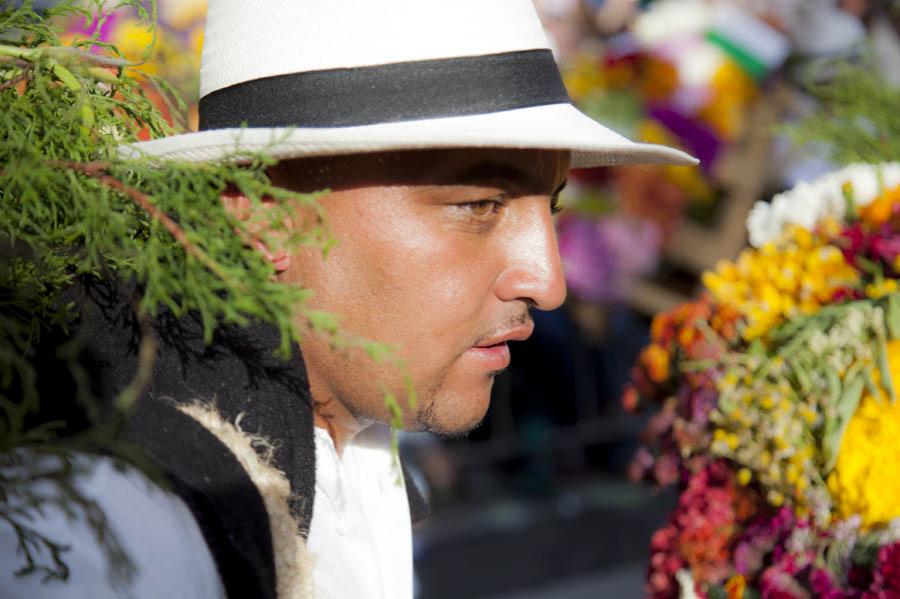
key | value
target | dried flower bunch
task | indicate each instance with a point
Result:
(778, 417)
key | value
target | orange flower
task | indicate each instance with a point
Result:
(655, 361)
(687, 335)
(735, 587)
(659, 79)
(630, 398)
(879, 210)
(619, 74)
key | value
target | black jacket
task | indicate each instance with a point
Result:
(240, 374)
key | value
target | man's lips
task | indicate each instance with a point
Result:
(493, 352)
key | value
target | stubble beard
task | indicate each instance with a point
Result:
(428, 418)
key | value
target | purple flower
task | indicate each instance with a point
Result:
(588, 260)
(703, 401)
(87, 28)
(762, 538)
(602, 257)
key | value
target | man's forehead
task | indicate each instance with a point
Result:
(534, 171)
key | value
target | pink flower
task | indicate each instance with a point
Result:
(700, 533)
(641, 464)
(760, 539)
(882, 245)
(665, 470)
(777, 584)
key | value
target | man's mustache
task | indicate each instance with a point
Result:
(513, 322)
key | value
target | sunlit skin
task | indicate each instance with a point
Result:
(440, 254)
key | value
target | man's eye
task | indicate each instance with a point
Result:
(483, 208)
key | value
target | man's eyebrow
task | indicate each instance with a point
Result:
(505, 175)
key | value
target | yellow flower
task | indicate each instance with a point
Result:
(866, 478)
(732, 93)
(886, 287)
(170, 55)
(780, 280)
(733, 441)
(654, 132)
(728, 382)
(808, 414)
(583, 78)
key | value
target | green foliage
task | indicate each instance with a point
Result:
(71, 208)
(857, 118)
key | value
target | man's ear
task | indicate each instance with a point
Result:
(256, 231)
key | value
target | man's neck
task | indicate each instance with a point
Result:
(331, 415)
(340, 430)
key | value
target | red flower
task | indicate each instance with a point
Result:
(701, 532)
(886, 580)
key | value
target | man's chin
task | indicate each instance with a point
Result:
(455, 430)
(451, 424)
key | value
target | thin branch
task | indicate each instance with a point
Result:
(65, 53)
(97, 170)
(146, 360)
(16, 61)
(97, 59)
(30, 542)
(16, 80)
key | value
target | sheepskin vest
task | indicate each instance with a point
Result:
(229, 428)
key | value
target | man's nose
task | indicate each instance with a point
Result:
(534, 271)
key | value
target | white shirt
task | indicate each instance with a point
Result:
(156, 529)
(360, 535)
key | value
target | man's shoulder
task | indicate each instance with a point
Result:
(118, 533)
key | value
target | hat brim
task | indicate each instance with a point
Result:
(550, 127)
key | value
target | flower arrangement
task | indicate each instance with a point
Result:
(778, 418)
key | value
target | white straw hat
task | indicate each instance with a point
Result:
(297, 78)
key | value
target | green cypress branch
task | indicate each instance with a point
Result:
(72, 210)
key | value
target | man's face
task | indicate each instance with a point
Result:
(440, 254)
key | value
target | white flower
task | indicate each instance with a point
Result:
(671, 20)
(686, 585)
(809, 202)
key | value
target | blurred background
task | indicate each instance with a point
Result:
(537, 502)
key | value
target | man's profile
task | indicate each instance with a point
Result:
(462, 245)
(444, 134)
